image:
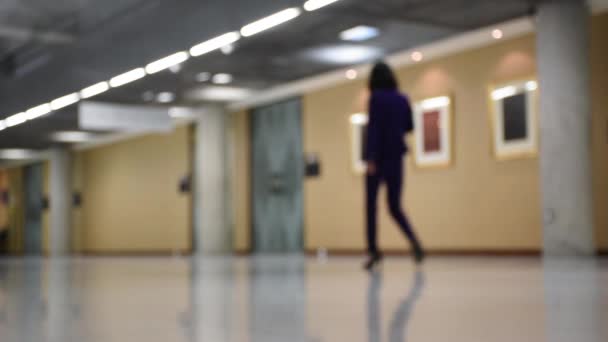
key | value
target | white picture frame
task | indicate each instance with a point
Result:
(357, 125)
(527, 145)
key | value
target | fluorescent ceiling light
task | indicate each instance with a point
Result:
(531, 85)
(15, 120)
(345, 54)
(222, 78)
(165, 97)
(270, 21)
(94, 90)
(17, 154)
(167, 62)
(148, 96)
(360, 33)
(65, 101)
(227, 49)
(38, 111)
(312, 5)
(501, 93)
(2, 125)
(72, 136)
(222, 93)
(436, 102)
(127, 77)
(358, 119)
(214, 44)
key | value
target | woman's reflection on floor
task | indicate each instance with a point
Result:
(400, 317)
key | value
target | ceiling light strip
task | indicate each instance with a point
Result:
(270, 21)
(127, 77)
(214, 44)
(167, 62)
(313, 5)
(164, 63)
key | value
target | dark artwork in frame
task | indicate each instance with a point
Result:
(432, 131)
(515, 117)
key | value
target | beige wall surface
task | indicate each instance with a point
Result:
(599, 121)
(476, 203)
(130, 195)
(241, 167)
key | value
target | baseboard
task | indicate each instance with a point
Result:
(142, 253)
(439, 252)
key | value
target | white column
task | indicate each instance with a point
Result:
(60, 199)
(212, 233)
(563, 65)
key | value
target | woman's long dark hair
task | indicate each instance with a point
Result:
(382, 78)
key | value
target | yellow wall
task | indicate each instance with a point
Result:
(130, 196)
(478, 203)
(241, 166)
(599, 121)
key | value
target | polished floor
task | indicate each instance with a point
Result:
(266, 299)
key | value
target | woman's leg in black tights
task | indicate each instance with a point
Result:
(393, 174)
(372, 183)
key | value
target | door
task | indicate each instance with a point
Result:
(33, 209)
(278, 168)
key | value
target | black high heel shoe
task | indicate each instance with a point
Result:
(373, 261)
(419, 255)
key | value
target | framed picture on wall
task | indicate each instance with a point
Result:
(358, 137)
(433, 132)
(514, 118)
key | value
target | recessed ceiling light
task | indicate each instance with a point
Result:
(94, 90)
(312, 5)
(497, 34)
(214, 44)
(270, 21)
(351, 74)
(127, 77)
(203, 77)
(148, 96)
(222, 78)
(65, 101)
(165, 97)
(38, 111)
(417, 56)
(15, 120)
(345, 54)
(72, 136)
(227, 49)
(176, 68)
(167, 62)
(359, 33)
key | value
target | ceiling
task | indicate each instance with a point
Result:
(52, 48)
